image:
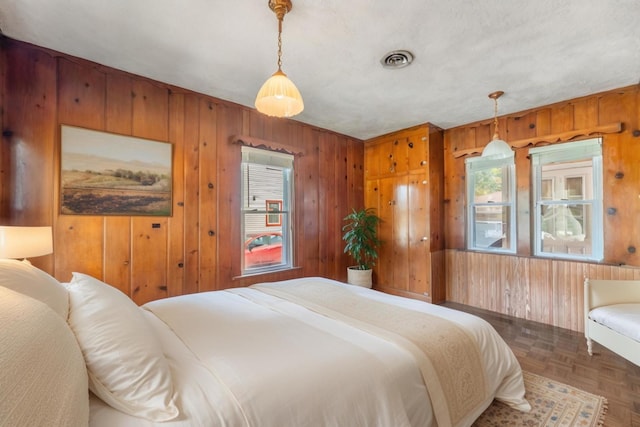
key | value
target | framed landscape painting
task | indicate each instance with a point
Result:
(109, 174)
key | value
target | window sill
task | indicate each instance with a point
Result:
(266, 272)
(600, 261)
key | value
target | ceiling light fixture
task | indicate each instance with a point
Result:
(497, 148)
(278, 96)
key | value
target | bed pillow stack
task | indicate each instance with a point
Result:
(43, 376)
(126, 365)
(22, 277)
(58, 341)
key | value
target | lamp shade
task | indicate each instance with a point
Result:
(25, 242)
(279, 97)
(497, 149)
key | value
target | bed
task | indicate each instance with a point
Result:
(612, 316)
(303, 352)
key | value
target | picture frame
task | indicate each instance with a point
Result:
(111, 174)
(274, 220)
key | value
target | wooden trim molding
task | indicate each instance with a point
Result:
(549, 139)
(249, 141)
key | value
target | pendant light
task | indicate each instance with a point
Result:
(497, 148)
(278, 96)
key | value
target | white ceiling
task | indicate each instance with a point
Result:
(536, 51)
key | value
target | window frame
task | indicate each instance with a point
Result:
(473, 165)
(270, 159)
(588, 150)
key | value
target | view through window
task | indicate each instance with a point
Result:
(568, 207)
(267, 189)
(490, 204)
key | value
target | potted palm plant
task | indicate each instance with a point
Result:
(361, 242)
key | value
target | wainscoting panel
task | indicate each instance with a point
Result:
(543, 290)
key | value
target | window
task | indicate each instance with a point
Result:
(267, 189)
(567, 186)
(491, 213)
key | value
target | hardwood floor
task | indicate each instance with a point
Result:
(561, 354)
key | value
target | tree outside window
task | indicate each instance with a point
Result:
(491, 204)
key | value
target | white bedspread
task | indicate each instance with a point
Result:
(242, 357)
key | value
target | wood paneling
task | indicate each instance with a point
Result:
(117, 248)
(418, 242)
(150, 113)
(620, 154)
(545, 290)
(327, 176)
(454, 221)
(405, 184)
(176, 223)
(29, 97)
(308, 228)
(117, 253)
(199, 246)
(229, 194)
(215, 197)
(148, 264)
(435, 183)
(81, 102)
(191, 202)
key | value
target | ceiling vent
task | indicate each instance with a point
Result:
(397, 59)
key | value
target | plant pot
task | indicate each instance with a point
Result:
(359, 277)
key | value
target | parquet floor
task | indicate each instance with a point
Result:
(561, 354)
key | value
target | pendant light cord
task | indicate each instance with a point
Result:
(495, 96)
(496, 133)
(279, 44)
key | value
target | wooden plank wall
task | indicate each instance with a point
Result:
(541, 289)
(198, 248)
(41, 89)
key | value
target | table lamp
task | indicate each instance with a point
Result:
(25, 242)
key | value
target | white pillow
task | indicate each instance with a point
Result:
(43, 377)
(126, 366)
(26, 279)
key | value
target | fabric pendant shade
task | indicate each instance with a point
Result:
(279, 97)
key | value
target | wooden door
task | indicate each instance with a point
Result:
(385, 264)
(401, 221)
(418, 249)
(394, 212)
(401, 178)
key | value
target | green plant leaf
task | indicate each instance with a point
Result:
(360, 236)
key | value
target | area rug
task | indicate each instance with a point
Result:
(552, 403)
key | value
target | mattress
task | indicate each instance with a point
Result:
(246, 357)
